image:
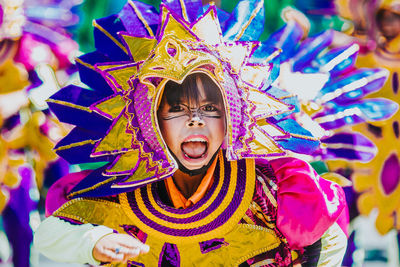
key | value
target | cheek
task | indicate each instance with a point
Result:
(219, 129)
(169, 131)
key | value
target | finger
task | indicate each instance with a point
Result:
(144, 249)
(112, 256)
(132, 253)
(130, 242)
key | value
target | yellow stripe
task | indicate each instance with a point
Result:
(349, 146)
(110, 36)
(200, 209)
(253, 15)
(77, 144)
(140, 17)
(220, 231)
(247, 219)
(227, 199)
(184, 12)
(263, 263)
(285, 97)
(71, 105)
(273, 55)
(92, 187)
(87, 65)
(267, 191)
(304, 137)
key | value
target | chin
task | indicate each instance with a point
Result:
(194, 164)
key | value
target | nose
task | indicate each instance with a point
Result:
(195, 120)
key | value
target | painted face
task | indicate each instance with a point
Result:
(389, 24)
(193, 129)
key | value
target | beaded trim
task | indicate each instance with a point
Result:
(216, 215)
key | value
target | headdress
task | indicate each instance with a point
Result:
(138, 50)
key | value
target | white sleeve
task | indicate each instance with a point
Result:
(62, 241)
(333, 247)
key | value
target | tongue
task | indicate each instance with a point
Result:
(194, 149)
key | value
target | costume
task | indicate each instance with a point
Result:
(34, 44)
(251, 238)
(138, 51)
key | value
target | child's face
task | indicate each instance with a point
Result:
(389, 23)
(193, 131)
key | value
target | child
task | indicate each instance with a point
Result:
(182, 186)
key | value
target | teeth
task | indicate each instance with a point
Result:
(197, 140)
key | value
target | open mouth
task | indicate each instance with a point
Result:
(195, 147)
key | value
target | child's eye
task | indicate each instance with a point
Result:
(176, 108)
(209, 108)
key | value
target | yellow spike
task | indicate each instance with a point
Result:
(235, 54)
(255, 75)
(141, 173)
(112, 107)
(106, 67)
(125, 162)
(208, 28)
(266, 106)
(114, 140)
(262, 144)
(173, 27)
(140, 48)
(271, 129)
(120, 76)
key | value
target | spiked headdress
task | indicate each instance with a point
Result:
(138, 51)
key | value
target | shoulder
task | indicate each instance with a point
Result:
(57, 194)
(307, 204)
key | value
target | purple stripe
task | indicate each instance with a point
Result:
(190, 209)
(214, 205)
(220, 220)
(395, 82)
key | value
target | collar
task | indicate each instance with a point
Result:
(179, 201)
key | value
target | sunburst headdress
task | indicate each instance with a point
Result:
(138, 51)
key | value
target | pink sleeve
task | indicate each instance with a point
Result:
(307, 204)
(57, 194)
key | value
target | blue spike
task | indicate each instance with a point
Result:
(345, 57)
(366, 110)
(309, 50)
(103, 43)
(278, 93)
(131, 20)
(80, 154)
(223, 16)
(295, 144)
(79, 117)
(193, 8)
(77, 95)
(261, 54)
(94, 178)
(377, 109)
(244, 12)
(357, 84)
(286, 38)
(92, 78)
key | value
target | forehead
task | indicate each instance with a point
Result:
(196, 88)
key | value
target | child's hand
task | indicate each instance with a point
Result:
(118, 248)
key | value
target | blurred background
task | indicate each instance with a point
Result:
(39, 41)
